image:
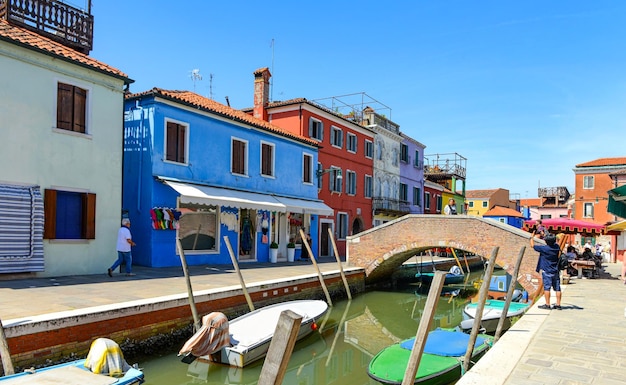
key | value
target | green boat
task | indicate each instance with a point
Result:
(441, 361)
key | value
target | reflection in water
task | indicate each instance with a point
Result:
(350, 334)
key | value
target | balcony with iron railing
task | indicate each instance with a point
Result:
(53, 19)
(445, 166)
(390, 205)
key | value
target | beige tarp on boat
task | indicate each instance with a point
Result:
(212, 336)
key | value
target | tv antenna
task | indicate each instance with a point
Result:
(211, 86)
(195, 76)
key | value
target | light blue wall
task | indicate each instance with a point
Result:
(208, 163)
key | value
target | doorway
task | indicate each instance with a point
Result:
(247, 235)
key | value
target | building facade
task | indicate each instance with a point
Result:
(412, 174)
(214, 178)
(61, 189)
(344, 170)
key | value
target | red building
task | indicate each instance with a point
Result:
(344, 174)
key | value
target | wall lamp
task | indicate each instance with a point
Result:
(337, 171)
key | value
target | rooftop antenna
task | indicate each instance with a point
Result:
(211, 86)
(195, 76)
(272, 78)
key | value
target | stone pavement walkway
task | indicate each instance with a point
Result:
(585, 343)
(30, 297)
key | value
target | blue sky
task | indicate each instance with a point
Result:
(524, 90)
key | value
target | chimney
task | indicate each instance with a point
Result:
(261, 92)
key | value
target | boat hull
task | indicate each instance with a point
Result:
(448, 280)
(252, 333)
(389, 365)
(491, 314)
(69, 373)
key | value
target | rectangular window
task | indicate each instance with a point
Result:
(307, 168)
(319, 175)
(198, 229)
(367, 188)
(351, 182)
(239, 159)
(403, 192)
(439, 200)
(404, 153)
(427, 201)
(342, 224)
(71, 108)
(336, 137)
(588, 210)
(69, 215)
(351, 142)
(471, 204)
(176, 142)
(316, 129)
(485, 203)
(588, 181)
(416, 163)
(417, 196)
(336, 180)
(369, 149)
(267, 159)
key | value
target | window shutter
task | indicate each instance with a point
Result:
(266, 159)
(64, 106)
(50, 214)
(89, 212)
(180, 152)
(80, 110)
(171, 147)
(310, 128)
(306, 170)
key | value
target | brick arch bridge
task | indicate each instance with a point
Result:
(382, 249)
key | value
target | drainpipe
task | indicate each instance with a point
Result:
(141, 143)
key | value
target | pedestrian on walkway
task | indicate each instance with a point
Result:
(548, 266)
(124, 244)
(450, 208)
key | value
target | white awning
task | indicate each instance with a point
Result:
(305, 206)
(196, 194)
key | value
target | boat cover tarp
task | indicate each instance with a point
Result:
(444, 343)
(61, 376)
(212, 336)
(106, 357)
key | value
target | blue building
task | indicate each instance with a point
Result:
(205, 173)
(505, 215)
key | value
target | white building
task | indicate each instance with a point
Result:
(62, 130)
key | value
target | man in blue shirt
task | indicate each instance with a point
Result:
(548, 266)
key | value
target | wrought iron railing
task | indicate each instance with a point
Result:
(56, 20)
(389, 204)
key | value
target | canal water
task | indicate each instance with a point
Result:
(348, 337)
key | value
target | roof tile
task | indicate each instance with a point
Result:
(604, 162)
(35, 41)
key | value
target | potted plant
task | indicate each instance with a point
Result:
(291, 251)
(273, 252)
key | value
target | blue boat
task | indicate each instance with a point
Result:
(104, 365)
(455, 275)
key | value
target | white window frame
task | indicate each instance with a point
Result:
(417, 193)
(88, 107)
(246, 155)
(404, 153)
(588, 182)
(403, 193)
(336, 137)
(588, 206)
(368, 186)
(351, 142)
(439, 202)
(369, 149)
(319, 134)
(336, 185)
(273, 166)
(426, 200)
(485, 203)
(342, 231)
(187, 133)
(308, 156)
(350, 182)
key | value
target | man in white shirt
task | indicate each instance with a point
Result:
(450, 208)
(124, 243)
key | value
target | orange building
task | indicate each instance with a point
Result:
(592, 181)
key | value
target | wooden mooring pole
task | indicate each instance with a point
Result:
(319, 273)
(192, 302)
(509, 294)
(281, 347)
(7, 364)
(424, 327)
(480, 306)
(241, 281)
(343, 276)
